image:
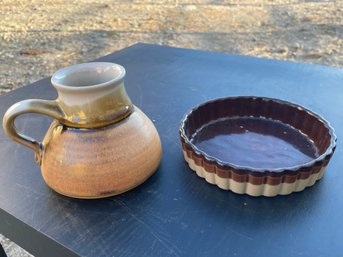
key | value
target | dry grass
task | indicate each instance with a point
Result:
(38, 37)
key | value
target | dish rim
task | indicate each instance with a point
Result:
(328, 152)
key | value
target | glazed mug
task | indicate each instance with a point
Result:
(99, 144)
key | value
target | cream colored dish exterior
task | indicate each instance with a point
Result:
(251, 189)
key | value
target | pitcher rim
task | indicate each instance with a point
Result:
(77, 67)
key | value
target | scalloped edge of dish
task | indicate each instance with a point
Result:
(251, 189)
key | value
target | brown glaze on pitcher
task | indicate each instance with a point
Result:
(99, 143)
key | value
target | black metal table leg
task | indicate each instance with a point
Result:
(2, 252)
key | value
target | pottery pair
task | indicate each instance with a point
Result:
(100, 144)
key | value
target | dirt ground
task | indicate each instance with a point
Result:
(38, 37)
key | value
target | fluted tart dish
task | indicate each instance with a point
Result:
(256, 145)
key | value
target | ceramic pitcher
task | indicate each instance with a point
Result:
(99, 144)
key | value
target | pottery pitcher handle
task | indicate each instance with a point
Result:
(45, 107)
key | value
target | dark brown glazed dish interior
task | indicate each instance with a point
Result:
(257, 135)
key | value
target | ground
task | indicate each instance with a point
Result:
(38, 37)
